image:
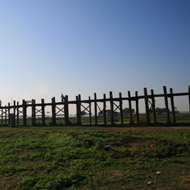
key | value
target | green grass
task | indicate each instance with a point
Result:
(181, 119)
(57, 158)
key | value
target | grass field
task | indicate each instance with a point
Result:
(181, 119)
(56, 158)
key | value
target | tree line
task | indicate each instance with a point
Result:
(126, 111)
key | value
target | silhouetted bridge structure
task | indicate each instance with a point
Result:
(16, 114)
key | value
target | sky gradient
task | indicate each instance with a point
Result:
(49, 47)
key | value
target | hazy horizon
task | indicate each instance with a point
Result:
(81, 47)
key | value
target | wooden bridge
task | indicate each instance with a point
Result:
(16, 114)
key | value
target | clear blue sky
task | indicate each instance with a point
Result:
(49, 47)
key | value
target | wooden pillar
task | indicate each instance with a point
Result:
(66, 110)
(166, 104)
(5, 116)
(172, 105)
(90, 111)
(33, 113)
(77, 110)
(43, 113)
(137, 106)
(53, 111)
(121, 108)
(104, 110)
(95, 109)
(14, 113)
(153, 106)
(24, 113)
(9, 118)
(78, 101)
(1, 116)
(80, 109)
(14, 108)
(130, 107)
(18, 112)
(112, 108)
(146, 106)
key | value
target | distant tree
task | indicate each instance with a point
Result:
(83, 113)
(175, 110)
(161, 111)
(108, 112)
(126, 111)
(101, 113)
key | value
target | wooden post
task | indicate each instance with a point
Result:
(18, 112)
(66, 110)
(130, 107)
(172, 105)
(78, 99)
(166, 104)
(90, 111)
(14, 113)
(104, 110)
(95, 109)
(153, 106)
(77, 110)
(137, 106)
(112, 108)
(146, 106)
(1, 116)
(9, 119)
(43, 112)
(24, 113)
(33, 113)
(5, 116)
(14, 108)
(53, 111)
(80, 109)
(121, 108)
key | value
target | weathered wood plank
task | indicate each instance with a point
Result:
(66, 111)
(166, 104)
(9, 118)
(112, 108)
(121, 108)
(146, 106)
(24, 112)
(153, 106)
(53, 107)
(95, 109)
(78, 106)
(130, 107)
(43, 112)
(18, 113)
(137, 107)
(33, 112)
(90, 111)
(172, 105)
(104, 110)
